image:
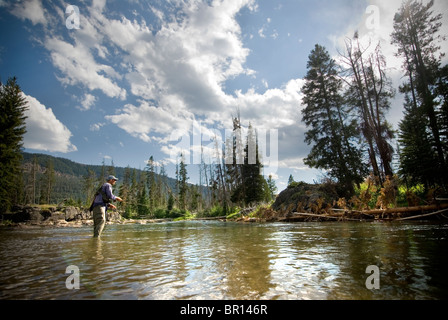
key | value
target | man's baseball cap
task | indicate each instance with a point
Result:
(111, 177)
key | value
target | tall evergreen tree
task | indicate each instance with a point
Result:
(89, 183)
(271, 187)
(290, 180)
(253, 181)
(183, 187)
(111, 168)
(415, 33)
(331, 130)
(416, 154)
(143, 204)
(48, 182)
(132, 204)
(12, 129)
(33, 180)
(441, 92)
(164, 188)
(124, 192)
(151, 183)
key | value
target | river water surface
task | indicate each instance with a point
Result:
(227, 260)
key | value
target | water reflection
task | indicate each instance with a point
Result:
(215, 260)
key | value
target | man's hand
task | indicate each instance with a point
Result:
(111, 206)
(118, 199)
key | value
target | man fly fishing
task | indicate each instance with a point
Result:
(102, 201)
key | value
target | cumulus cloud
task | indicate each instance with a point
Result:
(172, 68)
(96, 126)
(179, 73)
(145, 119)
(78, 67)
(31, 10)
(44, 131)
(87, 102)
(189, 59)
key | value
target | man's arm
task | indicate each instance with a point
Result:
(110, 195)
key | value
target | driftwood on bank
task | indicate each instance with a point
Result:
(211, 218)
(391, 214)
(407, 213)
(301, 215)
(406, 209)
(422, 215)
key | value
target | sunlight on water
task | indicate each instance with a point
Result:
(217, 260)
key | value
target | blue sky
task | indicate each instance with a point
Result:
(142, 78)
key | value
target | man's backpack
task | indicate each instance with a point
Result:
(101, 191)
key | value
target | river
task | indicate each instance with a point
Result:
(227, 261)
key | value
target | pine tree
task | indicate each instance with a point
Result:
(132, 205)
(102, 176)
(170, 203)
(12, 129)
(33, 179)
(415, 33)
(271, 187)
(290, 180)
(416, 154)
(183, 187)
(124, 192)
(111, 168)
(48, 182)
(330, 130)
(89, 181)
(143, 205)
(441, 92)
(151, 183)
(253, 181)
(164, 188)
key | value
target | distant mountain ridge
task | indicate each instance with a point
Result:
(68, 167)
(70, 174)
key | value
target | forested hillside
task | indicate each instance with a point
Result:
(68, 178)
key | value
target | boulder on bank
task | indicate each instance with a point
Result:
(71, 213)
(304, 197)
(25, 213)
(52, 215)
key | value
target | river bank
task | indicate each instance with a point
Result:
(37, 216)
(69, 216)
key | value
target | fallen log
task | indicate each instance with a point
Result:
(422, 215)
(297, 215)
(406, 209)
(211, 218)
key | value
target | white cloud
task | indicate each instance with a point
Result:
(190, 59)
(182, 66)
(274, 109)
(87, 102)
(143, 120)
(78, 67)
(96, 126)
(44, 131)
(31, 10)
